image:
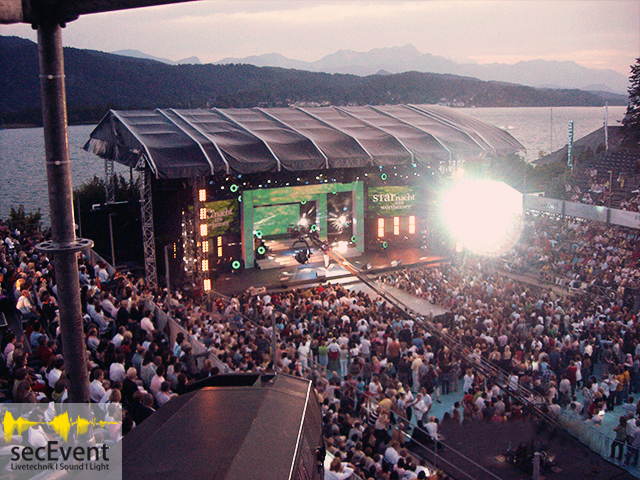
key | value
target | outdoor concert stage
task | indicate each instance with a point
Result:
(216, 184)
(294, 275)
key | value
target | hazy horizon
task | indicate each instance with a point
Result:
(595, 34)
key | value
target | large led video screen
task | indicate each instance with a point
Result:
(274, 219)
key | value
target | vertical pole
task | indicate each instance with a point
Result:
(274, 342)
(166, 268)
(63, 239)
(606, 128)
(113, 250)
(79, 219)
(536, 466)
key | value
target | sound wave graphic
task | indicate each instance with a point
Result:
(61, 424)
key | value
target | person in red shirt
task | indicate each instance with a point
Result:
(572, 376)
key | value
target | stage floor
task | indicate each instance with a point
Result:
(296, 275)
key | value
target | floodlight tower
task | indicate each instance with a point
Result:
(49, 17)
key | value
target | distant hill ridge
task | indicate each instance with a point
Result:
(139, 54)
(98, 81)
(534, 73)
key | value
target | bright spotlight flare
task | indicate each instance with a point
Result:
(485, 215)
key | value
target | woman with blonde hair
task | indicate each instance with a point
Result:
(338, 470)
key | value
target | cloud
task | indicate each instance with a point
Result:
(596, 32)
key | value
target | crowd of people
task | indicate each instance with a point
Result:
(573, 253)
(377, 372)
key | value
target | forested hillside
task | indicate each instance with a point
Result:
(97, 82)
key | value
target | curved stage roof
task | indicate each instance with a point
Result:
(192, 143)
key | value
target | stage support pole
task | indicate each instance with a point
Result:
(63, 245)
(166, 269)
(148, 235)
(113, 250)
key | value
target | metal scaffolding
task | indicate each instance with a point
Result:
(109, 181)
(148, 237)
(198, 184)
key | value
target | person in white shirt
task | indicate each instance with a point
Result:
(156, 381)
(26, 307)
(338, 470)
(304, 352)
(117, 372)
(421, 407)
(146, 324)
(96, 389)
(365, 346)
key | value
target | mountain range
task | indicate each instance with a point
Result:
(98, 81)
(534, 73)
(139, 54)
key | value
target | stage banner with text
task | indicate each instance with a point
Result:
(223, 217)
(62, 440)
(393, 201)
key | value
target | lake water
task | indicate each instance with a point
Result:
(23, 178)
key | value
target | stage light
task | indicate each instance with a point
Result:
(202, 195)
(206, 285)
(396, 225)
(204, 229)
(342, 219)
(380, 227)
(353, 239)
(385, 244)
(342, 247)
(233, 188)
(412, 224)
(258, 233)
(485, 215)
(262, 250)
(203, 213)
(205, 265)
(205, 246)
(383, 176)
(235, 265)
(303, 222)
(314, 227)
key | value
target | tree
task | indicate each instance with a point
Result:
(631, 120)
(27, 221)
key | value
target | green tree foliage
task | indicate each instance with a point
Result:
(631, 120)
(94, 192)
(26, 221)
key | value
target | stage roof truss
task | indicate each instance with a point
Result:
(199, 129)
(326, 159)
(340, 148)
(328, 124)
(447, 135)
(252, 132)
(190, 135)
(456, 127)
(431, 134)
(413, 157)
(149, 158)
(179, 143)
